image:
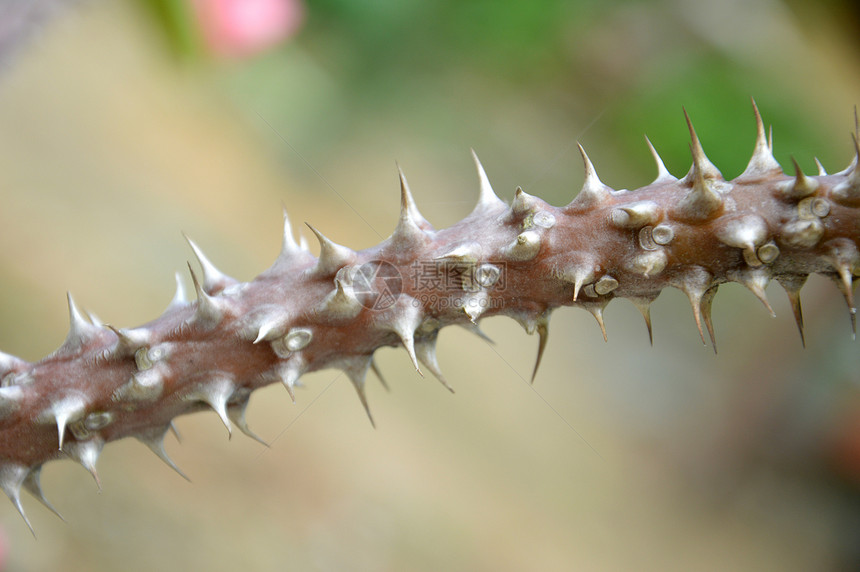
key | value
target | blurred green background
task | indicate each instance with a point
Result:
(120, 127)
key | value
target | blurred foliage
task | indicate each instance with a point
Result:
(175, 19)
(447, 66)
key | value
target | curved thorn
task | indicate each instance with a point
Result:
(154, 439)
(792, 286)
(762, 161)
(702, 166)
(597, 312)
(95, 320)
(523, 203)
(12, 478)
(80, 329)
(289, 246)
(86, 453)
(487, 198)
(802, 186)
(663, 174)
(375, 367)
(64, 411)
(856, 123)
(542, 329)
(580, 274)
(426, 351)
(408, 318)
(213, 279)
(172, 428)
(842, 256)
(704, 200)
(694, 284)
(215, 394)
(236, 413)
(208, 313)
(180, 297)
(271, 327)
(593, 190)
(821, 170)
(341, 303)
(363, 398)
(476, 329)
(755, 281)
(333, 256)
(409, 344)
(129, 341)
(408, 226)
(408, 204)
(355, 369)
(644, 308)
(705, 309)
(34, 487)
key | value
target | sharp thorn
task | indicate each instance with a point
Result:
(332, 256)
(593, 191)
(34, 487)
(663, 174)
(214, 280)
(87, 453)
(215, 394)
(375, 367)
(355, 369)
(476, 329)
(755, 281)
(644, 307)
(65, 411)
(487, 198)
(542, 329)
(154, 439)
(363, 398)
(426, 352)
(289, 246)
(597, 311)
(762, 161)
(208, 313)
(409, 225)
(180, 297)
(792, 286)
(821, 170)
(236, 413)
(80, 329)
(705, 305)
(11, 479)
(702, 166)
(172, 428)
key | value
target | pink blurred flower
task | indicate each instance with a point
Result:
(243, 28)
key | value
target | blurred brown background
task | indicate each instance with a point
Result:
(122, 124)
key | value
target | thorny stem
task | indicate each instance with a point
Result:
(521, 260)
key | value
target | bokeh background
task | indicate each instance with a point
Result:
(123, 123)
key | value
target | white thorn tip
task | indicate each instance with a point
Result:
(154, 439)
(11, 479)
(215, 394)
(65, 411)
(762, 161)
(332, 256)
(663, 174)
(236, 412)
(213, 279)
(487, 198)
